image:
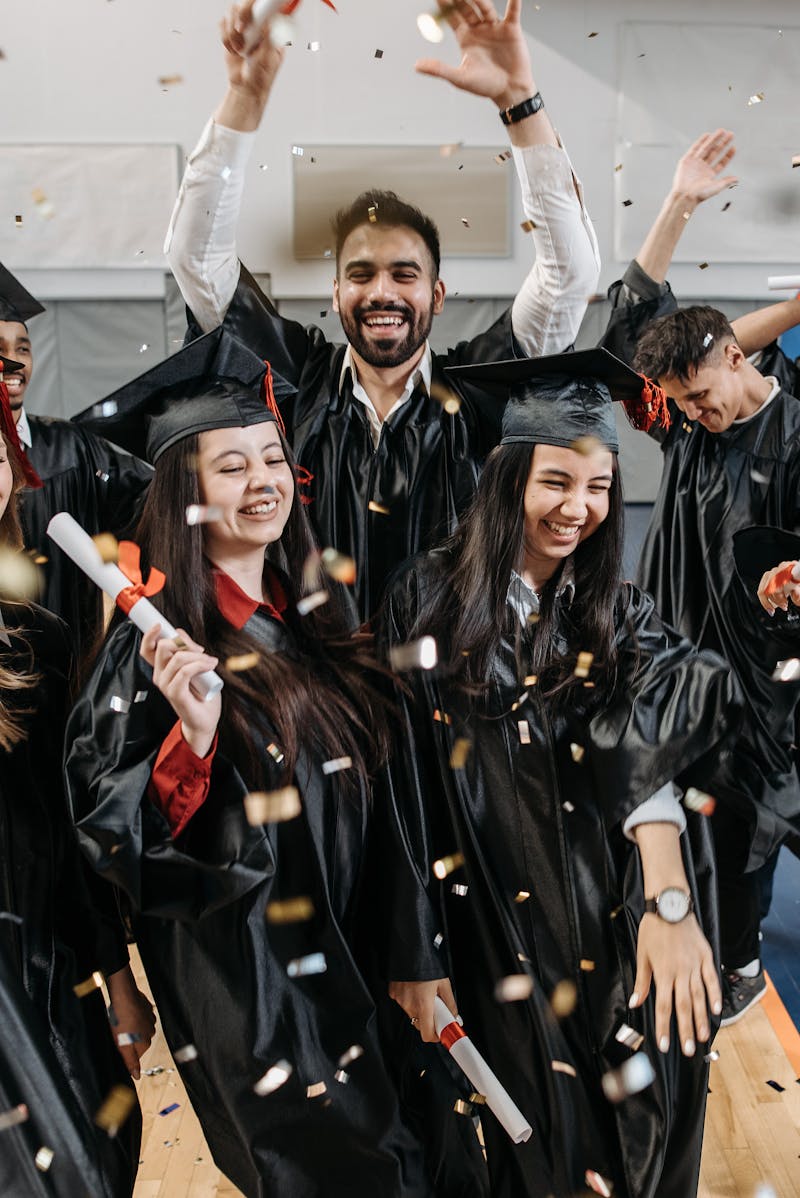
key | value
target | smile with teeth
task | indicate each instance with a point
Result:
(14, 381)
(562, 530)
(374, 322)
(260, 509)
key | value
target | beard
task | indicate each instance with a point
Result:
(389, 351)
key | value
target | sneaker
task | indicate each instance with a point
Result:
(739, 995)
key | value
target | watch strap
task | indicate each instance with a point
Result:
(518, 112)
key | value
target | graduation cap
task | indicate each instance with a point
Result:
(213, 382)
(16, 303)
(562, 398)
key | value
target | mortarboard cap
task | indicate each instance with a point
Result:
(213, 382)
(562, 398)
(9, 366)
(16, 303)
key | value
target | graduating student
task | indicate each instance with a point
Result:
(57, 1054)
(80, 473)
(536, 764)
(245, 923)
(393, 466)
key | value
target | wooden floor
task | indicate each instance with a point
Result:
(752, 1130)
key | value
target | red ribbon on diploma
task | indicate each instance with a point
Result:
(130, 566)
(291, 5)
(783, 578)
(450, 1033)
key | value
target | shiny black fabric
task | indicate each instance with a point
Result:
(217, 968)
(425, 468)
(65, 1045)
(505, 811)
(102, 488)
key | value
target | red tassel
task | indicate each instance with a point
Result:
(11, 436)
(270, 400)
(304, 478)
(651, 408)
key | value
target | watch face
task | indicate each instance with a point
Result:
(673, 904)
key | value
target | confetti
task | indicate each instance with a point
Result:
(459, 889)
(263, 166)
(586, 965)
(598, 1184)
(429, 25)
(629, 1037)
(10, 1118)
(564, 998)
(338, 566)
(185, 1054)
(461, 1107)
(378, 507)
(302, 967)
(91, 983)
(316, 1089)
(530, 679)
(313, 47)
(501, 158)
(167, 1110)
(786, 671)
(351, 1054)
(40, 560)
(795, 160)
(465, 222)
(44, 208)
(447, 398)
(460, 753)
(298, 151)
(528, 226)
(43, 1159)
(421, 654)
(441, 717)
(200, 513)
(564, 1067)
(107, 546)
(627, 203)
(702, 266)
(698, 800)
(275, 1077)
(271, 807)
(336, 764)
(143, 348)
(241, 662)
(309, 602)
(126, 1038)
(446, 865)
(341, 1076)
(372, 213)
(379, 53)
(18, 220)
(578, 752)
(583, 665)
(756, 98)
(777, 1086)
(631, 1078)
(170, 80)
(522, 896)
(569, 807)
(726, 206)
(107, 408)
(294, 910)
(618, 167)
(709, 337)
(154, 1070)
(514, 988)
(595, 34)
(758, 477)
(518, 702)
(120, 705)
(438, 940)
(524, 732)
(447, 151)
(275, 752)
(115, 1109)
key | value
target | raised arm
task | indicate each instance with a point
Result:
(756, 330)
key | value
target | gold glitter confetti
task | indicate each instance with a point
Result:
(522, 896)
(18, 220)
(275, 752)
(578, 752)
(239, 662)
(336, 764)
(564, 998)
(598, 1184)
(44, 208)
(115, 1109)
(372, 213)
(702, 266)
(415, 655)
(441, 717)
(338, 566)
(341, 1076)
(40, 560)
(631, 1078)
(429, 24)
(618, 167)
(461, 1107)
(170, 80)
(698, 800)
(446, 865)
(294, 910)
(271, 807)
(629, 1037)
(569, 807)
(273, 1079)
(120, 705)
(786, 671)
(302, 967)
(501, 158)
(10, 1118)
(583, 664)
(465, 222)
(460, 753)
(477, 1099)
(627, 203)
(91, 983)
(528, 226)
(351, 1054)
(518, 702)
(200, 513)
(43, 1159)
(524, 732)
(586, 965)
(563, 1067)
(514, 988)
(309, 602)
(447, 398)
(530, 679)
(795, 160)
(756, 98)
(185, 1054)
(459, 890)
(378, 507)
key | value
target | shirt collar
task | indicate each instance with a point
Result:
(421, 373)
(773, 392)
(237, 607)
(24, 429)
(525, 600)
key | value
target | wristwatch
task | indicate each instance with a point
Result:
(672, 905)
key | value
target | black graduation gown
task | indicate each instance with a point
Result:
(98, 484)
(424, 471)
(528, 817)
(218, 970)
(55, 1049)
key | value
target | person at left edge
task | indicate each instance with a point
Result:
(245, 929)
(102, 487)
(393, 468)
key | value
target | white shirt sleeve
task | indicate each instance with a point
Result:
(661, 808)
(201, 239)
(551, 303)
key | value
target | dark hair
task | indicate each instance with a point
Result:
(470, 600)
(13, 728)
(10, 527)
(386, 208)
(323, 695)
(681, 342)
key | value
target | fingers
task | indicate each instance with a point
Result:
(445, 993)
(131, 1058)
(644, 976)
(681, 993)
(710, 976)
(437, 69)
(147, 649)
(664, 993)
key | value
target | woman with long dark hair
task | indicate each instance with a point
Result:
(236, 825)
(543, 863)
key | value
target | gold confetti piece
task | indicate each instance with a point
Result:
(756, 98)
(702, 266)
(627, 203)
(460, 753)
(795, 160)
(40, 560)
(341, 1076)
(514, 988)
(709, 337)
(477, 1099)
(631, 1078)
(522, 896)
(461, 1107)
(518, 702)
(241, 662)
(595, 34)
(185, 1054)
(10, 1118)
(442, 717)
(379, 53)
(43, 1159)
(271, 807)
(298, 151)
(528, 226)
(120, 705)
(530, 679)
(415, 655)
(273, 1079)
(378, 507)
(338, 566)
(44, 208)
(587, 447)
(586, 965)
(19, 577)
(447, 151)
(578, 752)
(294, 910)
(616, 911)
(372, 213)
(275, 752)
(534, 617)
(598, 1184)
(336, 764)
(200, 513)
(686, 215)
(563, 1067)
(446, 865)
(170, 80)
(438, 940)
(524, 732)
(459, 889)
(465, 222)
(91, 983)
(18, 221)
(303, 967)
(351, 1054)
(564, 998)
(501, 158)
(629, 1037)
(309, 602)
(687, 428)
(583, 665)
(115, 1109)
(447, 398)
(618, 167)
(698, 800)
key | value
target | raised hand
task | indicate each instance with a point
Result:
(777, 587)
(174, 667)
(698, 175)
(495, 60)
(250, 75)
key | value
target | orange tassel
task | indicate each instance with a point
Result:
(304, 478)
(270, 400)
(651, 408)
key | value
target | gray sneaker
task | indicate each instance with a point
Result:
(740, 994)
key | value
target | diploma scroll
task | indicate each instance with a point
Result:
(783, 282)
(263, 10)
(78, 545)
(466, 1055)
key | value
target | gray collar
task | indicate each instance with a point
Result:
(524, 599)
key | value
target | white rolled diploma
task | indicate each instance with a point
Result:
(467, 1057)
(263, 10)
(783, 282)
(78, 545)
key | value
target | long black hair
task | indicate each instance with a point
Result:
(468, 597)
(324, 694)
